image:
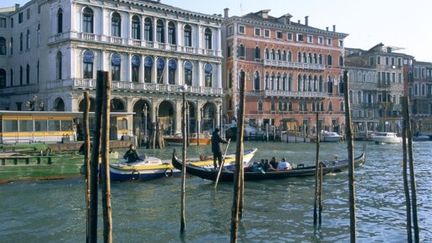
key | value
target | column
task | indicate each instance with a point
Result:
(217, 43)
(199, 81)
(179, 34)
(166, 72)
(141, 72)
(199, 40)
(219, 76)
(154, 70)
(167, 45)
(155, 33)
(154, 110)
(178, 115)
(129, 68)
(179, 72)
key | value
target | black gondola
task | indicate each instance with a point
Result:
(227, 174)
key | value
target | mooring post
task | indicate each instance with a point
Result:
(105, 148)
(239, 172)
(320, 193)
(94, 168)
(405, 172)
(349, 134)
(316, 171)
(87, 158)
(183, 172)
(405, 106)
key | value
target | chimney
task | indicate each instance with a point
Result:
(226, 11)
(264, 13)
(298, 21)
(287, 18)
(307, 20)
(326, 28)
(334, 28)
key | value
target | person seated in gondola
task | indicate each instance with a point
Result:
(284, 165)
(274, 163)
(131, 155)
(267, 166)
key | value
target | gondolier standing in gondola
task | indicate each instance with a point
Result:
(217, 152)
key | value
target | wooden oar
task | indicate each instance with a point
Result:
(222, 165)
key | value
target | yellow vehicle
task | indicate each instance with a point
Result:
(54, 126)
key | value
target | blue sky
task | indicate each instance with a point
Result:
(398, 23)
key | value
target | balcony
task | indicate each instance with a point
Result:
(140, 87)
(285, 64)
(294, 94)
(369, 105)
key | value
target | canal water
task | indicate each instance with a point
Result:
(275, 211)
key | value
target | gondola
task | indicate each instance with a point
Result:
(227, 174)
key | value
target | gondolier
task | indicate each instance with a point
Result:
(216, 150)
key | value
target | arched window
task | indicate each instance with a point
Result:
(267, 81)
(160, 66)
(257, 53)
(88, 20)
(289, 56)
(267, 54)
(60, 21)
(330, 85)
(341, 87)
(273, 78)
(59, 65)
(278, 82)
(28, 39)
(290, 82)
(320, 59)
(160, 31)
(88, 59)
(172, 67)
(273, 54)
(21, 75)
(299, 83)
(260, 106)
(310, 57)
(330, 106)
(305, 57)
(309, 88)
(284, 83)
(136, 28)
(188, 36)
(2, 46)
(315, 57)
(320, 86)
(148, 29)
(21, 41)
(2, 78)
(299, 57)
(148, 66)
(279, 55)
(305, 83)
(289, 106)
(136, 64)
(341, 61)
(116, 24)
(208, 38)
(256, 81)
(28, 74)
(241, 51)
(188, 73)
(329, 60)
(208, 72)
(172, 33)
(342, 106)
(315, 83)
(115, 67)
(284, 56)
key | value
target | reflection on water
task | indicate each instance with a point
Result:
(275, 211)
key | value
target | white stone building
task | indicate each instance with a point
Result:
(50, 52)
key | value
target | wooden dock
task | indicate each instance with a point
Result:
(15, 159)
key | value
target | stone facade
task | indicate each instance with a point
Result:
(292, 71)
(54, 49)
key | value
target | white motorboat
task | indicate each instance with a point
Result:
(330, 136)
(385, 137)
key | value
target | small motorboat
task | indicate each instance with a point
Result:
(227, 174)
(148, 168)
(330, 136)
(420, 138)
(386, 137)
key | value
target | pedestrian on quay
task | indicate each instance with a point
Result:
(216, 149)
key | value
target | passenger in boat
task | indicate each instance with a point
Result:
(216, 149)
(267, 166)
(284, 165)
(274, 163)
(131, 155)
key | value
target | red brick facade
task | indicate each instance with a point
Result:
(291, 72)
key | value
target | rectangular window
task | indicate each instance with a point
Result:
(290, 36)
(267, 33)
(26, 126)
(88, 70)
(41, 125)
(300, 37)
(20, 18)
(2, 22)
(393, 77)
(341, 43)
(309, 39)
(66, 125)
(230, 30)
(399, 62)
(329, 42)
(279, 35)
(53, 125)
(378, 60)
(28, 13)
(241, 29)
(257, 32)
(320, 40)
(12, 22)
(10, 126)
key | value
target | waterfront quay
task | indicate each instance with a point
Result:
(139, 209)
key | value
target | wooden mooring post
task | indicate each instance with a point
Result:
(405, 174)
(183, 172)
(350, 143)
(316, 172)
(405, 107)
(105, 168)
(238, 200)
(87, 158)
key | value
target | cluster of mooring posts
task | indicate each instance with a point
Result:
(101, 147)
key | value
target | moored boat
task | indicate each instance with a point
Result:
(330, 166)
(386, 137)
(330, 136)
(178, 140)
